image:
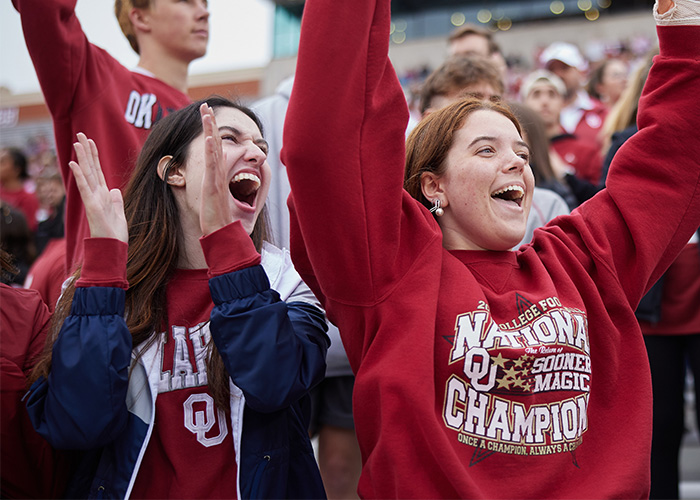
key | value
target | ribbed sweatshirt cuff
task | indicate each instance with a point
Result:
(679, 42)
(104, 263)
(229, 249)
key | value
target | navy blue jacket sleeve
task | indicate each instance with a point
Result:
(274, 351)
(82, 405)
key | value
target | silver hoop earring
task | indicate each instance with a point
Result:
(437, 210)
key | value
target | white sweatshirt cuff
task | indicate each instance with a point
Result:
(683, 13)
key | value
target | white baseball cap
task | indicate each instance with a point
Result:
(541, 75)
(566, 53)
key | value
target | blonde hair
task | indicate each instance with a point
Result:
(121, 10)
(623, 114)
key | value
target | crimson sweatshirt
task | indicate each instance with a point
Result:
(87, 90)
(30, 467)
(484, 374)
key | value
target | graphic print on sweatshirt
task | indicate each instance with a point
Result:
(519, 387)
(144, 110)
(183, 384)
(190, 453)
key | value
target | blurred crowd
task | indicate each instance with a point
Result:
(577, 105)
(33, 203)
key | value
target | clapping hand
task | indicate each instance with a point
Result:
(104, 207)
(216, 203)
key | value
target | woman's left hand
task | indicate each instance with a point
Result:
(215, 208)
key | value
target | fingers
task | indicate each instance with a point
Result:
(82, 170)
(80, 180)
(215, 211)
(215, 130)
(89, 162)
(84, 162)
(664, 6)
(212, 145)
(96, 162)
(209, 124)
(104, 208)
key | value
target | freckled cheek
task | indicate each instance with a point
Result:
(467, 196)
(470, 203)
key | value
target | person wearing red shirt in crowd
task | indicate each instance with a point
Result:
(30, 467)
(483, 372)
(187, 361)
(543, 91)
(581, 114)
(13, 174)
(670, 323)
(47, 274)
(87, 90)
(608, 81)
(472, 40)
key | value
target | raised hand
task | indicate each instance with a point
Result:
(664, 5)
(677, 12)
(215, 208)
(104, 207)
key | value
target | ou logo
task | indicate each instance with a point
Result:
(200, 422)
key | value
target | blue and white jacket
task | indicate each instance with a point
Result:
(98, 400)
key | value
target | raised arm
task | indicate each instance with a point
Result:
(58, 48)
(274, 351)
(651, 205)
(344, 151)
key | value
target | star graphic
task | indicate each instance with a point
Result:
(502, 382)
(518, 383)
(519, 362)
(499, 361)
(511, 374)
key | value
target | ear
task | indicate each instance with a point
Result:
(140, 20)
(175, 174)
(432, 187)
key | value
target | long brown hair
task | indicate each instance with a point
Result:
(155, 230)
(429, 143)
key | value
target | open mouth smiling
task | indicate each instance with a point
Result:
(244, 187)
(512, 193)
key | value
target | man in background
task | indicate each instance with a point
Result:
(87, 90)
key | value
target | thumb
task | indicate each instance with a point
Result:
(117, 199)
(122, 231)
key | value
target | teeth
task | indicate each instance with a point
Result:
(509, 188)
(244, 176)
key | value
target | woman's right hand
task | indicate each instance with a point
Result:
(104, 207)
(665, 6)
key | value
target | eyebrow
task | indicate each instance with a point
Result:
(259, 142)
(524, 144)
(482, 138)
(491, 138)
